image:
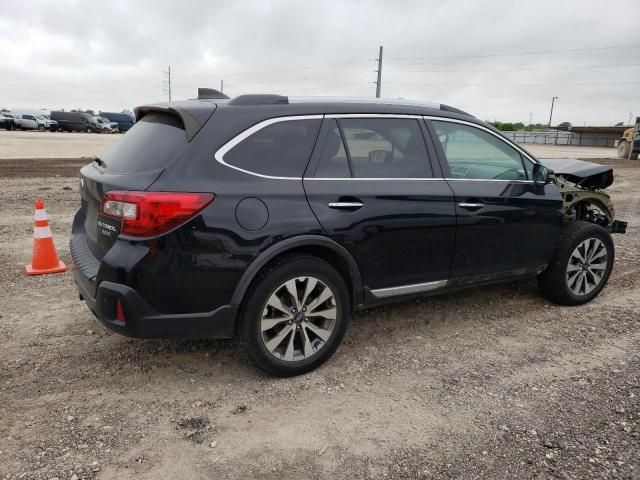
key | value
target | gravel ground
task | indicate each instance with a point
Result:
(491, 383)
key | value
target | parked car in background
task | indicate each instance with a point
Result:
(112, 126)
(103, 125)
(7, 121)
(72, 121)
(26, 121)
(45, 123)
(125, 121)
(96, 125)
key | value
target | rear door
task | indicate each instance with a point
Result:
(506, 224)
(372, 186)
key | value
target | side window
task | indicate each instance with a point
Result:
(386, 148)
(281, 149)
(475, 154)
(333, 159)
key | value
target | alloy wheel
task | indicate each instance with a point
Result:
(298, 319)
(587, 266)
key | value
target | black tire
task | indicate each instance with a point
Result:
(266, 284)
(633, 156)
(554, 282)
(623, 149)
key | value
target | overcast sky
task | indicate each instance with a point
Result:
(498, 60)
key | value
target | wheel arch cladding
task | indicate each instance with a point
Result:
(322, 247)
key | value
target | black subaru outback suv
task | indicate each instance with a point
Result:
(273, 218)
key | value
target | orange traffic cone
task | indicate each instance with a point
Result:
(44, 259)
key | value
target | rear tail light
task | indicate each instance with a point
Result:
(147, 214)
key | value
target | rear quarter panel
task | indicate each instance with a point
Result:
(198, 266)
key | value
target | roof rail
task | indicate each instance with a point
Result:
(209, 93)
(448, 108)
(375, 101)
(259, 99)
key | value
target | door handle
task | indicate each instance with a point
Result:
(471, 206)
(346, 205)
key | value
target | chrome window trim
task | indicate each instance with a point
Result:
(220, 153)
(481, 127)
(408, 289)
(486, 180)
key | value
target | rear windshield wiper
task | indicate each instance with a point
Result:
(100, 162)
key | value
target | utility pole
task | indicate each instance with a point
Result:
(379, 81)
(530, 116)
(551, 114)
(221, 86)
(630, 118)
(167, 82)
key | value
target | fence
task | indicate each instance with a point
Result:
(554, 137)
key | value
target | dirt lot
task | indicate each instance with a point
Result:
(493, 383)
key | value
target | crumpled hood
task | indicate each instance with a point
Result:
(586, 174)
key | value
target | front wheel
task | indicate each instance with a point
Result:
(295, 315)
(623, 149)
(581, 265)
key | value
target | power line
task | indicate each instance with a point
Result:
(261, 72)
(548, 52)
(517, 69)
(512, 84)
(302, 78)
(609, 107)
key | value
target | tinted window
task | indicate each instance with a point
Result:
(333, 159)
(476, 154)
(151, 144)
(386, 148)
(280, 150)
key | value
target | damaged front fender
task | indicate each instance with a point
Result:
(581, 185)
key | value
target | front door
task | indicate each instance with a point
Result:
(373, 187)
(506, 224)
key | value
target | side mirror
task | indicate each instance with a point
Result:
(541, 174)
(380, 157)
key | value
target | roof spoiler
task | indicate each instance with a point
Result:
(193, 117)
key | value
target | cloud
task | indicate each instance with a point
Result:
(110, 55)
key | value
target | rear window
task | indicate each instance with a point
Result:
(151, 144)
(279, 150)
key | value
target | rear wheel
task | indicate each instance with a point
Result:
(295, 315)
(581, 265)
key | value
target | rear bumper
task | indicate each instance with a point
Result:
(142, 321)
